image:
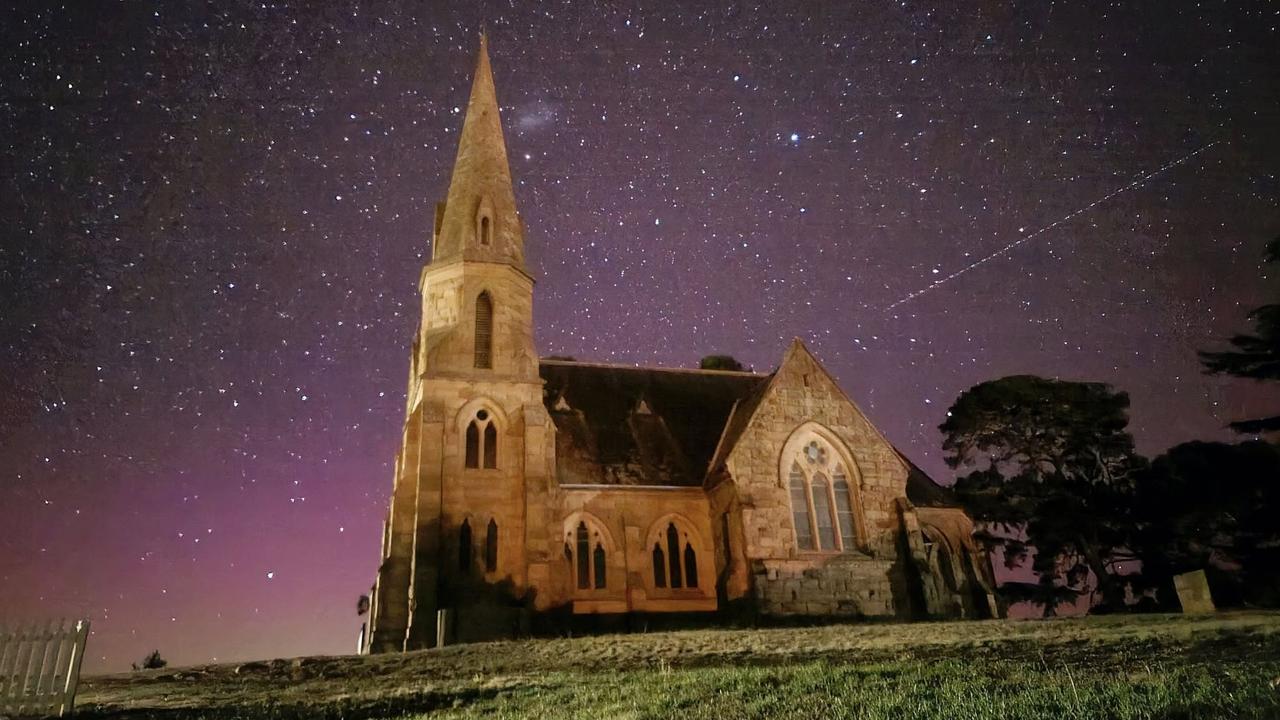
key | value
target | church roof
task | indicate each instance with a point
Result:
(639, 426)
(625, 425)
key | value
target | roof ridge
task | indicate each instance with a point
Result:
(619, 366)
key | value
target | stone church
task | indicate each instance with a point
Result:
(560, 492)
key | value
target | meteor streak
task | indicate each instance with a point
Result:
(1065, 218)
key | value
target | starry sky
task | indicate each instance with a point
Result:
(214, 216)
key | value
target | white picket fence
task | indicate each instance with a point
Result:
(40, 667)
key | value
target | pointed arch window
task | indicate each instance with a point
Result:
(673, 555)
(824, 507)
(800, 515)
(674, 567)
(486, 235)
(598, 565)
(588, 559)
(481, 442)
(464, 548)
(491, 546)
(484, 331)
(690, 566)
(584, 560)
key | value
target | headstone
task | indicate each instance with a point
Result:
(1193, 593)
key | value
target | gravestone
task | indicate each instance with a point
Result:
(1193, 593)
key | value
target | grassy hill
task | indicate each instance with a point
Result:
(1160, 666)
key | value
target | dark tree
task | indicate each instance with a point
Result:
(720, 362)
(362, 605)
(1212, 506)
(152, 661)
(1255, 356)
(1049, 465)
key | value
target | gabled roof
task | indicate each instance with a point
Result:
(627, 425)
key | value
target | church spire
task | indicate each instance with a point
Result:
(478, 220)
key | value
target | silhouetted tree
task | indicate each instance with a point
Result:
(1050, 465)
(1212, 506)
(362, 605)
(1255, 356)
(152, 661)
(720, 362)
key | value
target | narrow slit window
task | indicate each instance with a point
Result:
(484, 331)
(598, 565)
(584, 558)
(659, 566)
(485, 235)
(464, 548)
(673, 555)
(690, 566)
(491, 547)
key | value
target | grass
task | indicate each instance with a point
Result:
(1167, 666)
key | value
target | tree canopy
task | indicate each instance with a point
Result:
(1049, 464)
(1212, 506)
(720, 362)
(1256, 355)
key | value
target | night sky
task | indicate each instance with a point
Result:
(214, 218)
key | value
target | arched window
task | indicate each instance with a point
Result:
(659, 566)
(690, 566)
(597, 565)
(490, 446)
(464, 548)
(484, 331)
(675, 561)
(800, 509)
(588, 559)
(491, 547)
(584, 560)
(484, 230)
(482, 442)
(673, 554)
(844, 507)
(824, 508)
(822, 511)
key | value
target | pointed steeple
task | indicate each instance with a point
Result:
(478, 220)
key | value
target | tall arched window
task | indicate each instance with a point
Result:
(584, 558)
(598, 565)
(675, 562)
(800, 508)
(690, 566)
(588, 559)
(464, 548)
(673, 554)
(484, 331)
(484, 230)
(481, 442)
(824, 508)
(491, 547)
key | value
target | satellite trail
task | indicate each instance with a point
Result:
(1069, 216)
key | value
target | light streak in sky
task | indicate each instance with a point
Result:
(1065, 218)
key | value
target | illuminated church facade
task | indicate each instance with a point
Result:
(565, 491)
